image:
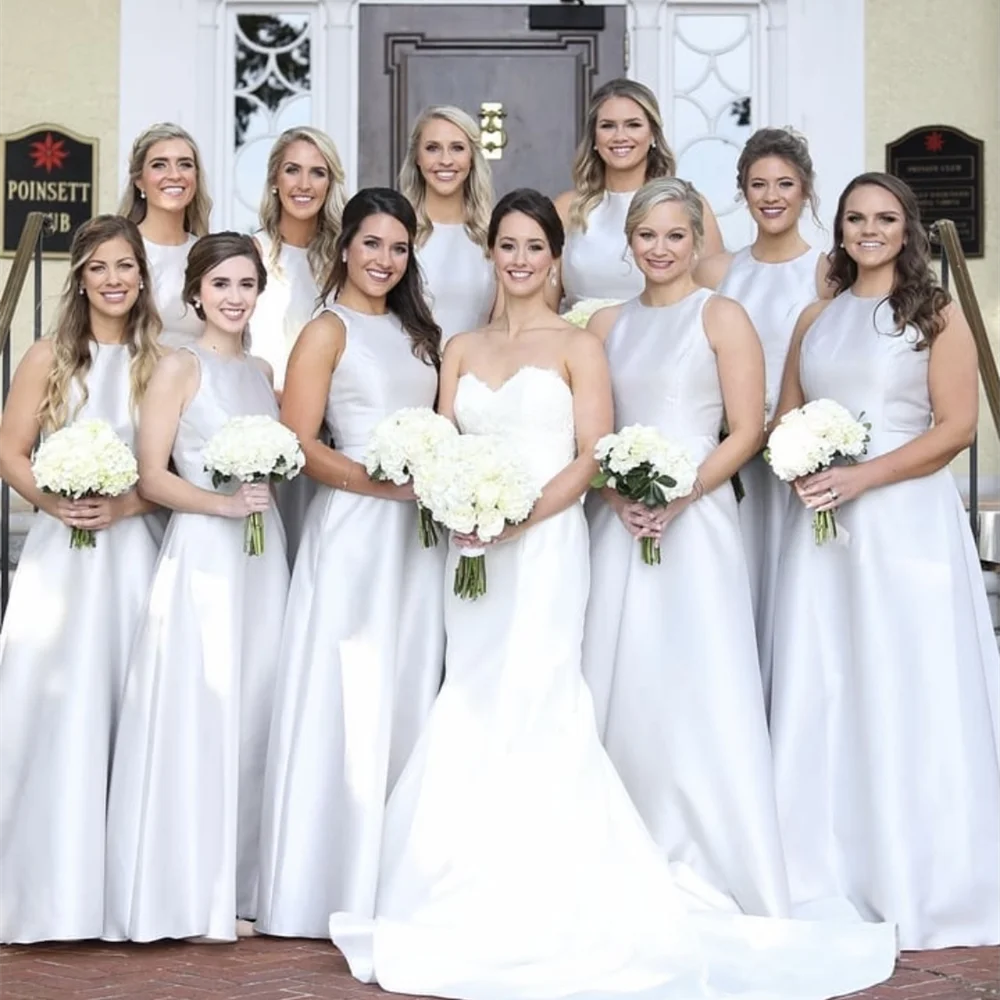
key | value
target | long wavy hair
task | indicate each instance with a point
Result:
(322, 247)
(133, 205)
(406, 298)
(211, 251)
(665, 189)
(72, 331)
(916, 297)
(589, 168)
(477, 192)
(788, 145)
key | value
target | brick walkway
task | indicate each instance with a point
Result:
(272, 969)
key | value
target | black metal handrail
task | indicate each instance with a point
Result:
(29, 249)
(954, 266)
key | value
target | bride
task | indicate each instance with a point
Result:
(513, 863)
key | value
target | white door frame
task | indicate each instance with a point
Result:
(171, 70)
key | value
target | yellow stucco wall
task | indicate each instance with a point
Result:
(59, 65)
(933, 63)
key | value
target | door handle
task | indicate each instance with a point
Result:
(492, 135)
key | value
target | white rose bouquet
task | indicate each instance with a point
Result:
(579, 315)
(403, 443)
(253, 449)
(85, 459)
(475, 484)
(643, 466)
(810, 439)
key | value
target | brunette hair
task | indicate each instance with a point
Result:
(917, 297)
(788, 145)
(588, 167)
(536, 206)
(320, 252)
(211, 251)
(477, 192)
(133, 204)
(406, 298)
(72, 332)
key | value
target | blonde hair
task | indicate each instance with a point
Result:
(71, 333)
(477, 192)
(133, 205)
(322, 246)
(662, 190)
(589, 168)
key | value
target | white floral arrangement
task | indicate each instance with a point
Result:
(812, 438)
(85, 459)
(643, 466)
(404, 443)
(475, 485)
(579, 315)
(253, 449)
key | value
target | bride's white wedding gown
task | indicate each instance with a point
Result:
(514, 866)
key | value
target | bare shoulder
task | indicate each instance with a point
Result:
(562, 204)
(825, 289)
(603, 320)
(583, 347)
(38, 358)
(710, 272)
(721, 311)
(327, 331)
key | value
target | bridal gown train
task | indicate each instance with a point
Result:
(185, 791)
(63, 653)
(514, 866)
(885, 712)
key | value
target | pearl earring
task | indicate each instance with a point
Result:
(652, 145)
(142, 285)
(196, 303)
(274, 190)
(82, 290)
(343, 256)
(142, 195)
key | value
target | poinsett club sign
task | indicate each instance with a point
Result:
(944, 167)
(50, 169)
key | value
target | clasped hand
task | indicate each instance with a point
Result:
(250, 498)
(645, 522)
(833, 487)
(90, 513)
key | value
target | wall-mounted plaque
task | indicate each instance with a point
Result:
(47, 168)
(944, 166)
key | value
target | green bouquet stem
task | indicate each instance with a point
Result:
(824, 526)
(427, 528)
(650, 551)
(253, 534)
(82, 538)
(470, 577)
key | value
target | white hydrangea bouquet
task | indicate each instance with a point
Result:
(579, 315)
(85, 459)
(475, 484)
(643, 466)
(403, 443)
(810, 439)
(253, 449)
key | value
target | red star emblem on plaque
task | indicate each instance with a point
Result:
(48, 154)
(934, 142)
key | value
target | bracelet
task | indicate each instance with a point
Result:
(698, 491)
(347, 478)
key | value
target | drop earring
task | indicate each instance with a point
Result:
(343, 257)
(82, 290)
(142, 285)
(652, 145)
(142, 195)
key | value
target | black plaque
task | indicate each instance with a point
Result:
(47, 168)
(944, 167)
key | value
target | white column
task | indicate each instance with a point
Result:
(341, 98)
(647, 46)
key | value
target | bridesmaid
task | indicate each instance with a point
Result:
(362, 649)
(72, 612)
(774, 279)
(678, 700)
(623, 147)
(167, 198)
(184, 804)
(884, 707)
(300, 222)
(447, 181)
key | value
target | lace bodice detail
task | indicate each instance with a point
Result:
(532, 410)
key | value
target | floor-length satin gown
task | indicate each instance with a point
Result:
(167, 265)
(597, 262)
(289, 301)
(774, 296)
(677, 694)
(514, 866)
(459, 281)
(362, 653)
(884, 712)
(63, 653)
(184, 804)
